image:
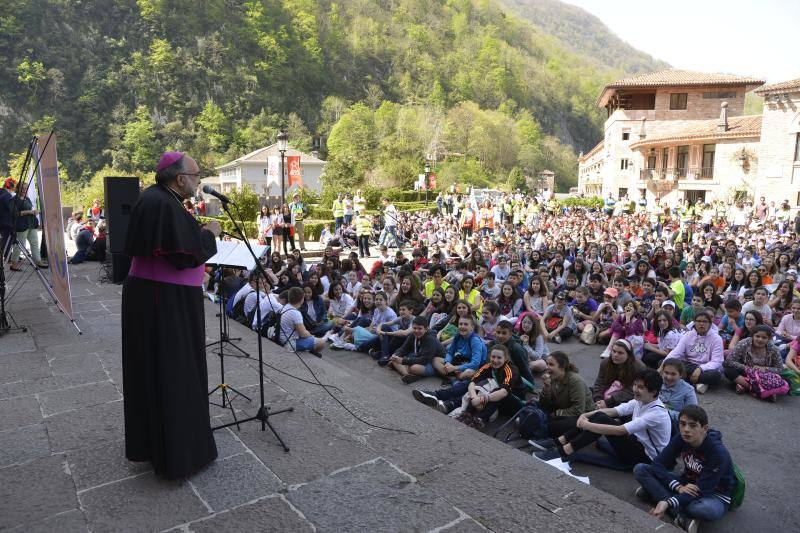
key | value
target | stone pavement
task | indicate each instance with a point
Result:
(62, 463)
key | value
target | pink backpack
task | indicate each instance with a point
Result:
(766, 384)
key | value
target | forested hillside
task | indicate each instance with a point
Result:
(585, 34)
(382, 82)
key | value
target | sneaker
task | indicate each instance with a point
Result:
(548, 455)
(542, 444)
(689, 525)
(701, 388)
(349, 346)
(557, 339)
(445, 407)
(426, 397)
(642, 494)
(383, 361)
(375, 353)
(410, 378)
(606, 353)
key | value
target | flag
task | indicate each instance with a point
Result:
(432, 181)
(295, 172)
(273, 171)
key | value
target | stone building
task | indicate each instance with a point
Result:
(679, 134)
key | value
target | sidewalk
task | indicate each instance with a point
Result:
(62, 464)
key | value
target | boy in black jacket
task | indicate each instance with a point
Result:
(414, 358)
(703, 490)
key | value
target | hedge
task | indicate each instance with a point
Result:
(574, 201)
(250, 228)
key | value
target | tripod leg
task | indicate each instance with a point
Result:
(264, 414)
(230, 406)
(243, 395)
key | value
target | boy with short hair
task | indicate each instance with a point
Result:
(292, 328)
(688, 313)
(759, 303)
(733, 319)
(490, 290)
(414, 358)
(703, 490)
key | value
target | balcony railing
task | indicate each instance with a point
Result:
(677, 173)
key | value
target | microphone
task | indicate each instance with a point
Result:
(218, 195)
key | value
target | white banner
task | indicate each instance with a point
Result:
(273, 171)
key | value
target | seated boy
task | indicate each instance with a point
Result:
(703, 490)
(631, 443)
(414, 359)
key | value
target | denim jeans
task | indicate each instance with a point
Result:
(709, 377)
(455, 392)
(655, 481)
(390, 231)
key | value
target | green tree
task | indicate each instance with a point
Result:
(139, 142)
(246, 202)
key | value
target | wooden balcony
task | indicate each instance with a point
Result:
(676, 173)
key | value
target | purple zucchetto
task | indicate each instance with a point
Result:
(167, 159)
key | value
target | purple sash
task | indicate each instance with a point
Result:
(159, 269)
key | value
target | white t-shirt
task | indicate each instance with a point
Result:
(290, 317)
(766, 311)
(651, 424)
(340, 308)
(269, 304)
(390, 215)
(246, 288)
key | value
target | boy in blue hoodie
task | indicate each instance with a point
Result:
(703, 490)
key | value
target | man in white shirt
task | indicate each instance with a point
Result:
(292, 329)
(631, 443)
(390, 223)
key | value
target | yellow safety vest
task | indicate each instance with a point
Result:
(338, 209)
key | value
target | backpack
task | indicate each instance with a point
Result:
(237, 310)
(530, 423)
(737, 493)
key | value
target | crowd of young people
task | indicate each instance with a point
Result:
(684, 299)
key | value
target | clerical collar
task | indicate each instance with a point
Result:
(174, 194)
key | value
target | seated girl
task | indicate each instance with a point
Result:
(614, 382)
(450, 330)
(626, 325)
(667, 336)
(675, 392)
(530, 335)
(466, 352)
(754, 355)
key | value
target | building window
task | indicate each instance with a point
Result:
(677, 101)
(665, 159)
(626, 135)
(623, 191)
(708, 161)
(651, 160)
(682, 163)
(623, 164)
(797, 147)
(265, 171)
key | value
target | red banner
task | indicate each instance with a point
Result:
(53, 223)
(432, 181)
(295, 172)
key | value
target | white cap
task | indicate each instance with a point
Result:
(669, 302)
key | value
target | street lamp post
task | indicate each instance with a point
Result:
(283, 144)
(427, 180)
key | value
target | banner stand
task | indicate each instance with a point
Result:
(44, 150)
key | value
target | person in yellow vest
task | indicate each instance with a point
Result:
(487, 218)
(436, 280)
(298, 210)
(469, 293)
(363, 231)
(338, 211)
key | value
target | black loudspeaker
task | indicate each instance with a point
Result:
(121, 194)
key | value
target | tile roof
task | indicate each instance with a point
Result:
(670, 76)
(261, 155)
(676, 78)
(779, 87)
(746, 127)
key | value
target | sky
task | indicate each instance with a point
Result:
(748, 38)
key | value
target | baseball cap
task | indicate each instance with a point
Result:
(611, 291)
(669, 302)
(562, 295)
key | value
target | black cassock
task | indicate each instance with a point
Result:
(164, 370)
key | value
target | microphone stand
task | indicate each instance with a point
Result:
(263, 414)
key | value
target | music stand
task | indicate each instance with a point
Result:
(263, 414)
(229, 254)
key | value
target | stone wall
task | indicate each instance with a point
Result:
(779, 175)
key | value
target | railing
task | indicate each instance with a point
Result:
(677, 173)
